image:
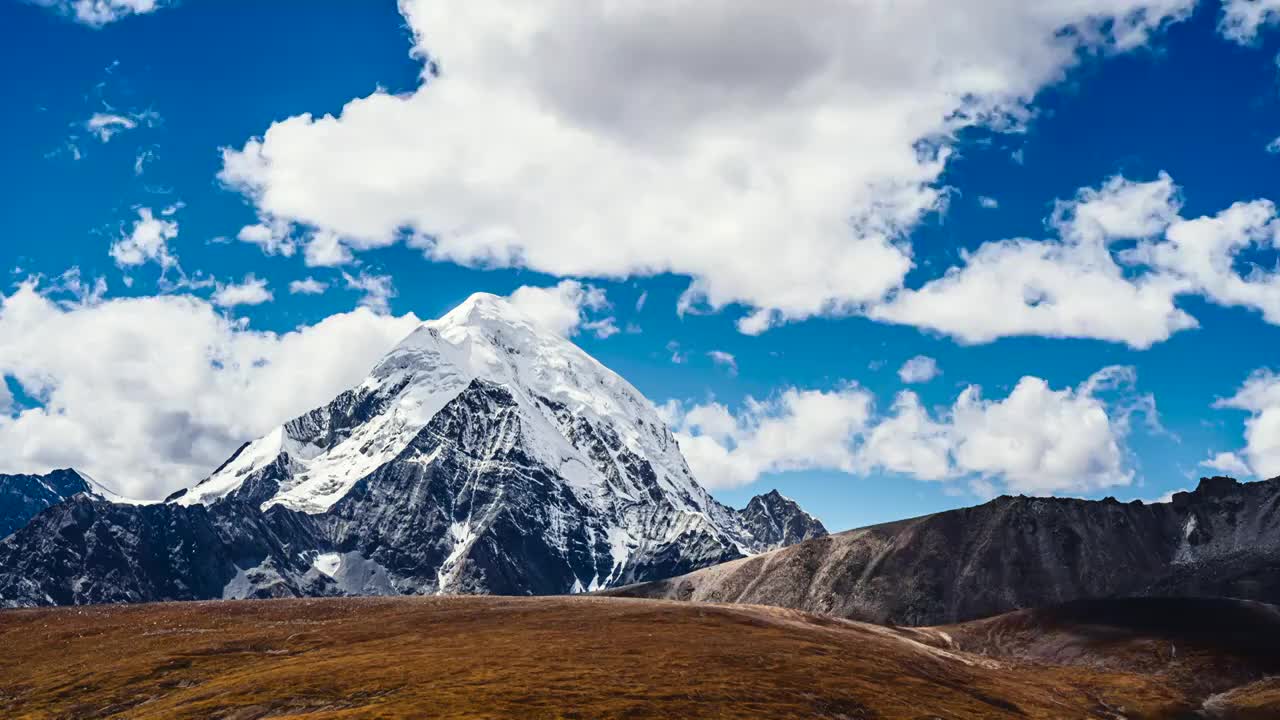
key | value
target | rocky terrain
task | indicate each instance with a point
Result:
(1223, 539)
(23, 496)
(593, 657)
(481, 455)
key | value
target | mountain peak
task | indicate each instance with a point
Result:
(483, 309)
(480, 422)
(776, 520)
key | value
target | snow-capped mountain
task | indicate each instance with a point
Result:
(482, 455)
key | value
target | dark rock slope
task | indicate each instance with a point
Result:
(779, 521)
(89, 550)
(1223, 539)
(23, 496)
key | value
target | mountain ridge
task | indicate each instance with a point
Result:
(1013, 553)
(22, 497)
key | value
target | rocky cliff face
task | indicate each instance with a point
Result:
(482, 455)
(1014, 552)
(23, 496)
(89, 550)
(779, 521)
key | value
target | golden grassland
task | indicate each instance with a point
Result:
(483, 657)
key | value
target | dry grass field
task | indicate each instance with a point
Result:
(586, 657)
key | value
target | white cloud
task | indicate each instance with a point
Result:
(273, 237)
(325, 249)
(1260, 396)
(811, 134)
(6, 398)
(1273, 147)
(1036, 440)
(919, 369)
(377, 290)
(147, 241)
(797, 430)
(1242, 19)
(677, 356)
(909, 442)
(725, 360)
(81, 292)
(1200, 256)
(1039, 440)
(105, 125)
(988, 202)
(308, 286)
(97, 13)
(252, 291)
(150, 394)
(143, 158)
(1079, 286)
(563, 308)
(602, 328)
(1228, 463)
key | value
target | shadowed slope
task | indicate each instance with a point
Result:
(1204, 645)
(1223, 539)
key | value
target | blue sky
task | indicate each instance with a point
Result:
(199, 76)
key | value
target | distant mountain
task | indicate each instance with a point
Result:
(23, 496)
(1223, 539)
(482, 455)
(779, 521)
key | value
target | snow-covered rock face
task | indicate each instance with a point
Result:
(484, 454)
(558, 386)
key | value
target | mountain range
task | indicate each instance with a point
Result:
(483, 454)
(487, 455)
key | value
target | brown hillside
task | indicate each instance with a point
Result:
(481, 657)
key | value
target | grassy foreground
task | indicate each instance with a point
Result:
(476, 657)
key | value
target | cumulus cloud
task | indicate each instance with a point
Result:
(97, 13)
(563, 308)
(147, 241)
(797, 430)
(273, 237)
(1039, 440)
(1036, 440)
(694, 138)
(150, 394)
(251, 291)
(377, 290)
(919, 369)
(1228, 463)
(1243, 19)
(988, 202)
(909, 442)
(308, 286)
(1201, 255)
(1260, 397)
(325, 249)
(1079, 285)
